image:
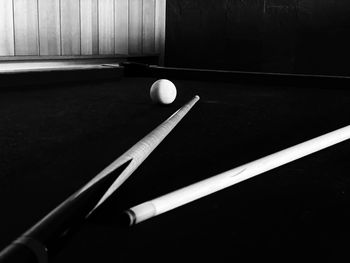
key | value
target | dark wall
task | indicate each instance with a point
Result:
(296, 36)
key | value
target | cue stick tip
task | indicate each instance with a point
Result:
(127, 218)
(140, 213)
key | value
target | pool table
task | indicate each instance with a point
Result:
(56, 136)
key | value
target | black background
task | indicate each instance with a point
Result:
(294, 36)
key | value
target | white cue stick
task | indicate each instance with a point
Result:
(140, 151)
(216, 183)
(82, 203)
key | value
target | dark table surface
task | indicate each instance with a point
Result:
(55, 138)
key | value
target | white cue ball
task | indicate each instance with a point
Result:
(163, 91)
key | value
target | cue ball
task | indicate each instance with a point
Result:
(163, 91)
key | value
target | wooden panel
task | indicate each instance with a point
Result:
(26, 27)
(135, 26)
(106, 26)
(81, 27)
(121, 26)
(160, 23)
(148, 37)
(70, 27)
(89, 27)
(49, 27)
(7, 44)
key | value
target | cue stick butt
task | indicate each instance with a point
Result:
(17, 252)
